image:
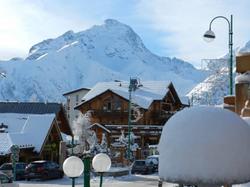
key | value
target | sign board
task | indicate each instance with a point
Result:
(14, 157)
(14, 149)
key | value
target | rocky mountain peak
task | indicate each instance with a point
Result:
(111, 51)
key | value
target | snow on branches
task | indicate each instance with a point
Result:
(88, 141)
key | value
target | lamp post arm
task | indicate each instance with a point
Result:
(223, 17)
(230, 26)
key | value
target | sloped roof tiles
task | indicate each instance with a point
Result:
(24, 130)
(29, 107)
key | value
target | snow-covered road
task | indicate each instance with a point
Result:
(126, 181)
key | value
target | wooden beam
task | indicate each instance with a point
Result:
(243, 63)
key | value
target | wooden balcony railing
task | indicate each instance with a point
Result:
(162, 114)
(113, 113)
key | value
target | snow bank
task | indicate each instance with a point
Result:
(246, 119)
(243, 78)
(205, 145)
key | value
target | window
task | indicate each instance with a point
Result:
(117, 103)
(248, 91)
(77, 98)
(107, 104)
(166, 106)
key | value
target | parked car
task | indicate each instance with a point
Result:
(4, 178)
(142, 167)
(153, 160)
(7, 168)
(44, 170)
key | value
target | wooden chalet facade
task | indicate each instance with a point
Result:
(240, 101)
(108, 103)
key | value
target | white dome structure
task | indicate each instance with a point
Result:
(205, 145)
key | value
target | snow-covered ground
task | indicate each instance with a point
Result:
(125, 181)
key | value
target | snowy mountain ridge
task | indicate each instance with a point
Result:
(108, 52)
(212, 90)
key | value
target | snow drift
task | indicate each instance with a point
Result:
(205, 145)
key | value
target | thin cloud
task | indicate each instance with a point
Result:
(167, 27)
(187, 21)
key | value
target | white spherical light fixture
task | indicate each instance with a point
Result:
(101, 162)
(73, 167)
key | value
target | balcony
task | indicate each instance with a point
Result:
(161, 114)
(110, 113)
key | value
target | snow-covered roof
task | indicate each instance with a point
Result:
(29, 107)
(74, 91)
(64, 137)
(185, 100)
(243, 78)
(101, 126)
(143, 96)
(208, 145)
(24, 130)
(247, 119)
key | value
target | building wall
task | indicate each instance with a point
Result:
(240, 102)
(109, 108)
(73, 100)
(241, 96)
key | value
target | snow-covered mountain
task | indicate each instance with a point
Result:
(213, 89)
(246, 48)
(112, 51)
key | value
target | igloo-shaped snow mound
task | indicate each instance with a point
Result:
(205, 145)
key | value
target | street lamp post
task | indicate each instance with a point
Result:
(87, 168)
(72, 142)
(210, 36)
(132, 87)
(14, 158)
(101, 163)
(129, 119)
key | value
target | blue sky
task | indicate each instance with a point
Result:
(167, 27)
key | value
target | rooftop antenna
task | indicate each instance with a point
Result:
(133, 84)
(139, 83)
(2, 74)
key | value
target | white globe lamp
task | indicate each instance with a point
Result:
(101, 163)
(73, 167)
